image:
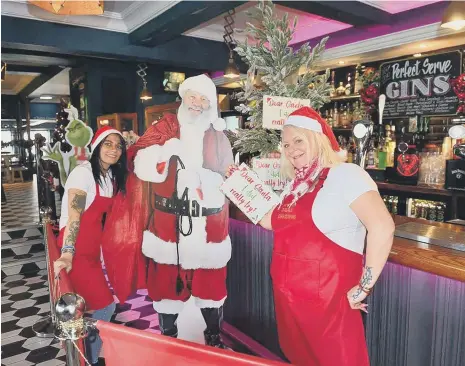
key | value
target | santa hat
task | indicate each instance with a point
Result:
(204, 85)
(309, 119)
(201, 84)
(101, 134)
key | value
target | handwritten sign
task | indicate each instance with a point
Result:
(268, 170)
(277, 109)
(249, 193)
(420, 86)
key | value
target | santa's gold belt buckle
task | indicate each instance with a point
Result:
(195, 209)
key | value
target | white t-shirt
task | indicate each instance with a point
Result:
(331, 212)
(81, 178)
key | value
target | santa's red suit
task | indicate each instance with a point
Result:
(175, 213)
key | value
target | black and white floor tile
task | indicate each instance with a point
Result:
(25, 299)
(25, 295)
(21, 208)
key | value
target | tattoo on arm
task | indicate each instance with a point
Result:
(79, 202)
(76, 207)
(73, 230)
(367, 277)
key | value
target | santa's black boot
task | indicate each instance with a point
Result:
(168, 324)
(213, 318)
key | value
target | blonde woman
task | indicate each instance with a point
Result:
(318, 271)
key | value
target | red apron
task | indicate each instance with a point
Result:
(87, 275)
(311, 276)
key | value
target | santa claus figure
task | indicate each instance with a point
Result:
(176, 214)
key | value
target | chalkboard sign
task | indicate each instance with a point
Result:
(420, 86)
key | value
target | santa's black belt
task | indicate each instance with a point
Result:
(182, 207)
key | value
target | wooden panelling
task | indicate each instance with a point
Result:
(425, 257)
(156, 112)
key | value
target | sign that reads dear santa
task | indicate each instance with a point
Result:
(277, 109)
(249, 193)
(269, 171)
(421, 86)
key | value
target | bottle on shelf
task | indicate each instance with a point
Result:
(392, 143)
(348, 85)
(371, 156)
(335, 116)
(389, 151)
(341, 90)
(382, 154)
(329, 118)
(343, 116)
(358, 83)
(332, 91)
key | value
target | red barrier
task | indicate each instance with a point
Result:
(62, 285)
(127, 346)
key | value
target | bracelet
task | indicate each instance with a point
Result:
(68, 249)
(367, 291)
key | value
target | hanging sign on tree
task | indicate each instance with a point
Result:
(269, 171)
(249, 193)
(277, 109)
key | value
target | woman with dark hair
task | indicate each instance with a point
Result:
(88, 196)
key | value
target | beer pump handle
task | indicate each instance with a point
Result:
(382, 102)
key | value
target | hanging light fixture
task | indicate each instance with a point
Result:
(454, 16)
(231, 70)
(3, 70)
(144, 94)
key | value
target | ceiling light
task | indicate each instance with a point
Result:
(454, 16)
(423, 45)
(46, 97)
(231, 70)
(417, 55)
(341, 62)
(145, 94)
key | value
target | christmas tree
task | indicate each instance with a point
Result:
(278, 66)
(59, 133)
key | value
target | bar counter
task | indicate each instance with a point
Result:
(416, 311)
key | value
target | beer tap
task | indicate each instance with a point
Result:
(362, 132)
(458, 132)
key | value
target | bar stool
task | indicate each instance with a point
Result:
(17, 178)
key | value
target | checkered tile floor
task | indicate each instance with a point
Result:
(25, 299)
(21, 208)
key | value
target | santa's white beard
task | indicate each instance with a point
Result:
(200, 122)
(191, 135)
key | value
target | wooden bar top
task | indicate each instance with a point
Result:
(430, 258)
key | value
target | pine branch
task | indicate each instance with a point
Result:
(278, 64)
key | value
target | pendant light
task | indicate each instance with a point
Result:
(144, 94)
(231, 70)
(454, 16)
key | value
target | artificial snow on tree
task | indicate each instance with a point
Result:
(277, 65)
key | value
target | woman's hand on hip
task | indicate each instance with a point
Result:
(355, 296)
(64, 262)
